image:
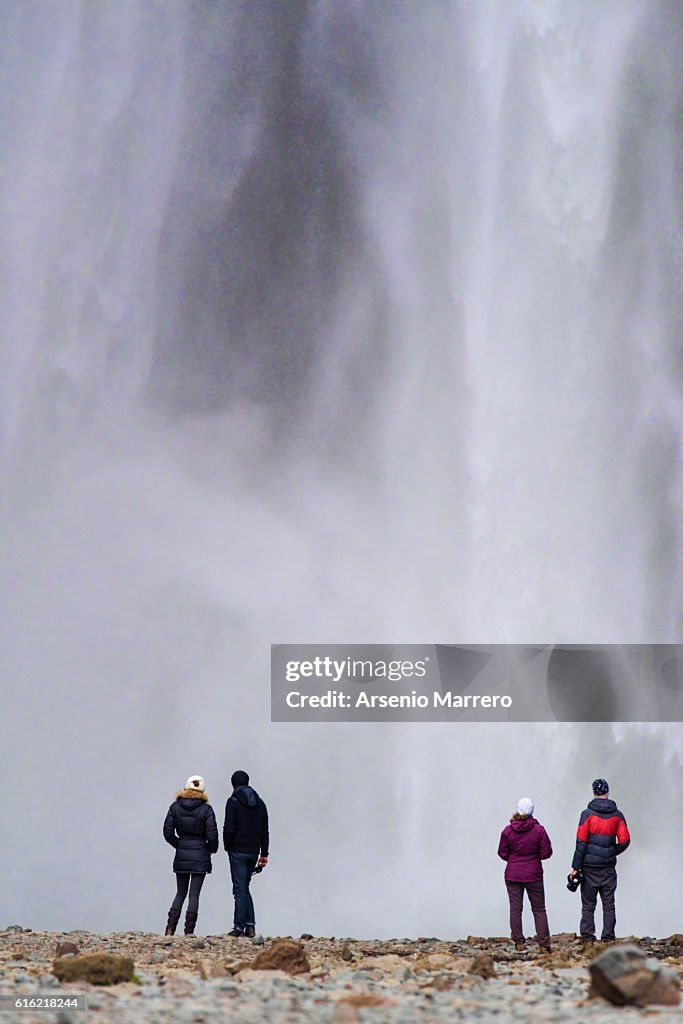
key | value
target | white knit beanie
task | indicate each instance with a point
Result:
(195, 782)
(525, 806)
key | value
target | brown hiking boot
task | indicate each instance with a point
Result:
(171, 924)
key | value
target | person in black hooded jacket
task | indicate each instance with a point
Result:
(191, 828)
(601, 837)
(245, 839)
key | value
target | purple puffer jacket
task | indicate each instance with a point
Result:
(524, 844)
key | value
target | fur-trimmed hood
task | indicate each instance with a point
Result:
(190, 794)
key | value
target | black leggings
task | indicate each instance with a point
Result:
(195, 883)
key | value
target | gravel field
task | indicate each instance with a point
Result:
(209, 978)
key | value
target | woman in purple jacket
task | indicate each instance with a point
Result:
(524, 843)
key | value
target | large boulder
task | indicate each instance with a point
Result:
(625, 976)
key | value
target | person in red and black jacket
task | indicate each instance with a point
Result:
(601, 836)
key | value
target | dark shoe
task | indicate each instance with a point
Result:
(236, 933)
(190, 922)
(249, 931)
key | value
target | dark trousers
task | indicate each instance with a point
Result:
(536, 894)
(185, 881)
(604, 882)
(241, 867)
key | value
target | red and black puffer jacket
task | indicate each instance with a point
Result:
(601, 836)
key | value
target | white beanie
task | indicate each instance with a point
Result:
(525, 806)
(195, 782)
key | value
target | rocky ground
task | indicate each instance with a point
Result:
(197, 980)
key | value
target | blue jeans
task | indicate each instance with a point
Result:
(241, 867)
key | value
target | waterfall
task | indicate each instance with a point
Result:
(325, 321)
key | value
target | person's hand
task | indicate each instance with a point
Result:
(262, 861)
(573, 872)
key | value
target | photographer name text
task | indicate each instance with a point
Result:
(333, 699)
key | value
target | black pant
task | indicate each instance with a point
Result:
(184, 881)
(604, 882)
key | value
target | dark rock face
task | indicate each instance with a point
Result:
(625, 976)
(97, 968)
(284, 955)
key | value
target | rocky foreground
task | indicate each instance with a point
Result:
(328, 980)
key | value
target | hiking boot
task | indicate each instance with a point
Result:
(249, 931)
(190, 922)
(173, 918)
(236, 933)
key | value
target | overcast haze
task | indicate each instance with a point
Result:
(331, 322)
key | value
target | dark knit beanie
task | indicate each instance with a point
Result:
(600, 787)
(239, 779)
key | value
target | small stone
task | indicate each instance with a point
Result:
(213, 969)
(483, 966)
(258, 940)
(48, 981)
(14, 928)
(157, 957)
(344, 1014)
(285, 955)
(361, 1000)
(67, 949)
(346, 953)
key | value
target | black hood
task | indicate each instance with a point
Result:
(601, 805)
(247, 796)
(188, 803)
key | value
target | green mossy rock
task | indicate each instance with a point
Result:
(97, 968)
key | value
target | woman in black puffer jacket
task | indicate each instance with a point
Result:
(190, 827)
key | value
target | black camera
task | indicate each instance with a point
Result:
(574, 881)
(258, 869)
